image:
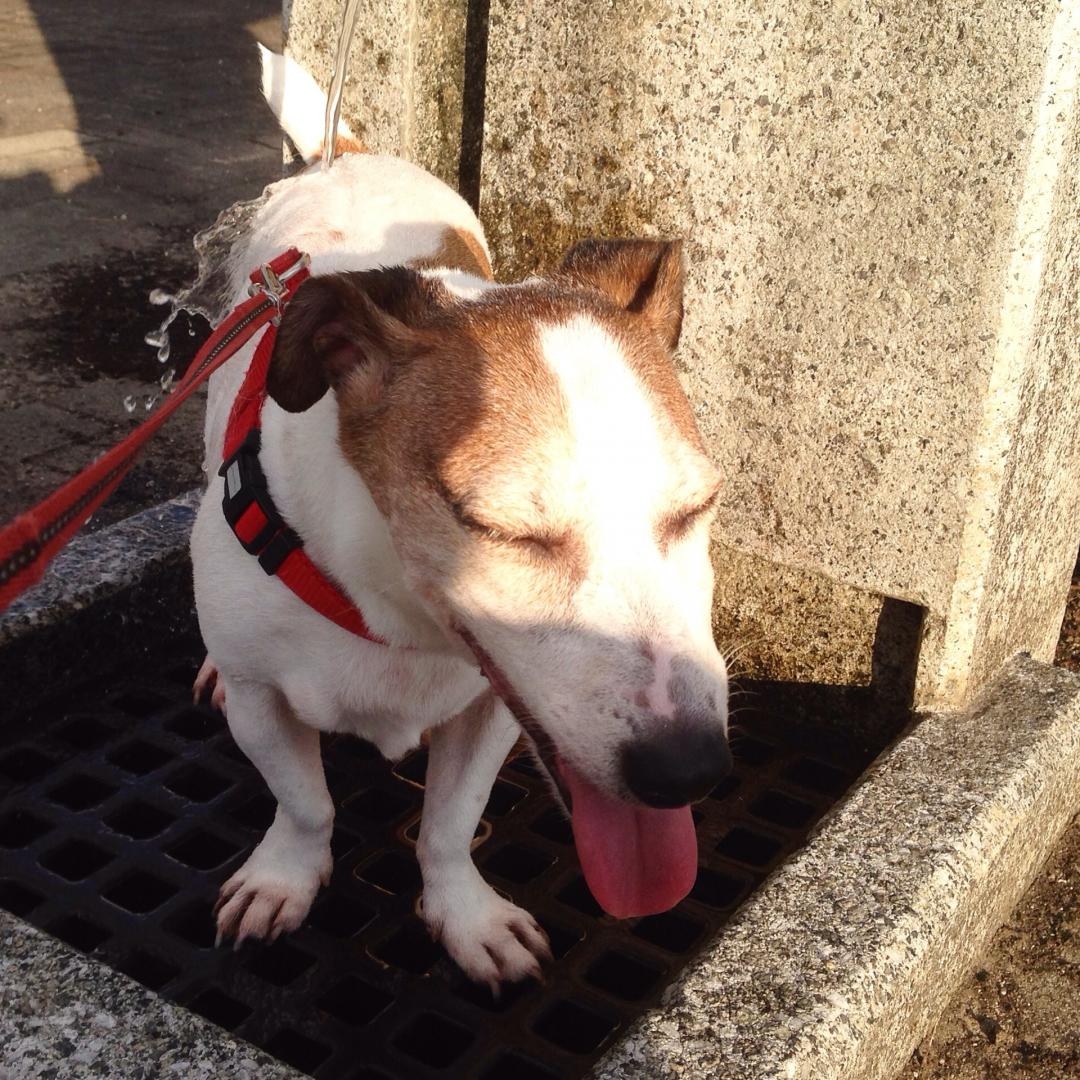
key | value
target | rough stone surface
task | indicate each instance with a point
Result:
(404, 82)
(64, 1015)
(835, 969)
(866, 191)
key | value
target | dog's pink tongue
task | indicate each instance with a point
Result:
(637, 860)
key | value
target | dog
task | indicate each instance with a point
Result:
(507, 481)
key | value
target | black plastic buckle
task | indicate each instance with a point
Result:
(245, 486)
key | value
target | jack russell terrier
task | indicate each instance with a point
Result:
(507, 481)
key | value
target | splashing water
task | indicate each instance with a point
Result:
(130, 403)
(209, 294)
(337, 82)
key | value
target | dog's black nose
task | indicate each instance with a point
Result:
(676, 766)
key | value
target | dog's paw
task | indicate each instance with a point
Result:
(208, 681)
(492, 940)
(270, 894)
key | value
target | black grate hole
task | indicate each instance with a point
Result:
(509, 994)
(341, 916)
(351, 746)
(377, 805)
(196, 784)
(752, 751)
(782, 810)
(413, 768)
(280, 963)
(817, 776)
(552, 825)
(256, 812)
(20, 829)
(578, 896)
(342, 842)
(148, 969)
(194, 924)
(716, 889)
(79, 933)
(573, 1027)
(84, 732)
(297, 1050)
(516, 1067)
(748, 847)
(197, 724)
(139, 820)
(80, 792)
(409, 948)
(670, 931)
(504, 797)
(220, 1009)
(76, 860)
(392, 872)
(562, 938)
(434, 1040)
(355, 1002)
(138, 702)
(517, 863)
(622, 976)
(202, 850)
(725, 787)
(26, 765)
(139, 892)
(139, 757)
(17, 898)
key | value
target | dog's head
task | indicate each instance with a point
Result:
(549, 496)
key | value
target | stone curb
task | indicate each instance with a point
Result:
(63, 1014)
(837, 967)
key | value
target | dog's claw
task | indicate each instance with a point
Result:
(492, 940)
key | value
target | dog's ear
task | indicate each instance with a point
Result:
(643, 276)
(355, 327)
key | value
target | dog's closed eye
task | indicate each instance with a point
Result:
(675, 526)
(536, 541)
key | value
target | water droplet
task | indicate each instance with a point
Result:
(166, 381)
(130, 403)
(160, 296)
(163, 352)
(150, 402)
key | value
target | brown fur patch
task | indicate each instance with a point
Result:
(344, 144)
(458, 249)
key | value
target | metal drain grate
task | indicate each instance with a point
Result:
(120, 817)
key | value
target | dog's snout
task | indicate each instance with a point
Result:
(677, 765)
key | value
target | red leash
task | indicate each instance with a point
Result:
(30, 542)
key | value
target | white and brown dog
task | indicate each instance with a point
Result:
(506, 480)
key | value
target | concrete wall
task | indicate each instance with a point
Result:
(881, 330)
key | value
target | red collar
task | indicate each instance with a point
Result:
(247, 504)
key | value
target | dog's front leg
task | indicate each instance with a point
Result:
(273, 891)
(491, 939)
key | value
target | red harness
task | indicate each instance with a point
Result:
(247, 504)
(34, 538)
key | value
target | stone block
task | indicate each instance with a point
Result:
(879, 202)
(403, 89)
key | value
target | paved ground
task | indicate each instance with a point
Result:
(124, 128)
